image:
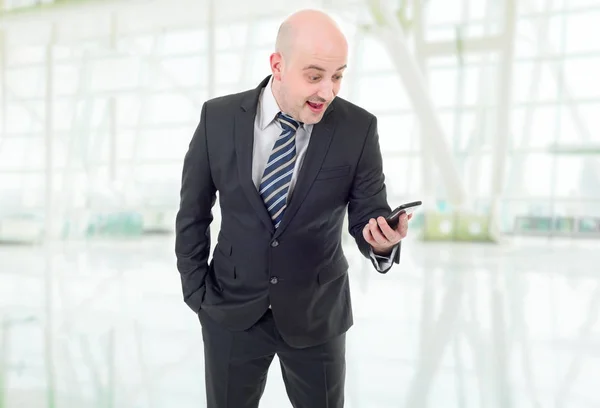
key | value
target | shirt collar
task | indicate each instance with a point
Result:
(269, 108)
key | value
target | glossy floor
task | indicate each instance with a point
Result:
(455, 325)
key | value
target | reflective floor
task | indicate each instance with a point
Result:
(102, 324)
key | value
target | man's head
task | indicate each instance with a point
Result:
(309, 59)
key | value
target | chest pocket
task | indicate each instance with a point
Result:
(333, 172)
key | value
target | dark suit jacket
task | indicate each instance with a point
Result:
(300, 268)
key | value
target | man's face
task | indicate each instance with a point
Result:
(308, 82)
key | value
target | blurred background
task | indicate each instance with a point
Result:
(488, 112)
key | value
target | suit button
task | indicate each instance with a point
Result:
(274, 243)
(274, 280)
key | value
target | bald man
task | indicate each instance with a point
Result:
(288, 159)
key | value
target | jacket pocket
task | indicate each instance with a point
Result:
(333, 172)
(333, 271)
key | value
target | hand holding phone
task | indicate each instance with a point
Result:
(408, 208)
(384, 235)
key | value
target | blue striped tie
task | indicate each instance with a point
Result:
(277, 177)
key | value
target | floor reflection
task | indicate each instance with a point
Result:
(455, 325)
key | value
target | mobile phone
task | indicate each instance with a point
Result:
(407, 208)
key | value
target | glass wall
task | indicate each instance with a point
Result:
(111, 106)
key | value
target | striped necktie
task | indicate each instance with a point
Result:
(277, 177)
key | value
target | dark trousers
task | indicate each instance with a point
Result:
(236, 366)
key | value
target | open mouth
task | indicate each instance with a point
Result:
(315, 107)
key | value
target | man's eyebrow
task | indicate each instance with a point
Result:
(318, 68)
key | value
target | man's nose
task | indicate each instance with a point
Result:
(326, 91)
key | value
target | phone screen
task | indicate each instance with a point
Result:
(407, 208)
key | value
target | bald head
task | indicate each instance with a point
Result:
(309, 29)
(307, 65)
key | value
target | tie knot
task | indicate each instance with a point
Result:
(287, 122)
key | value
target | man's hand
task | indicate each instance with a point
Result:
(382, 237)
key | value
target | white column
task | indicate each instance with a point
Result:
(500, 143)
(112, 110)
(3, 98)
(50, 226)
(48, 139)
(247, 53)
(211, 54)
(427, 162)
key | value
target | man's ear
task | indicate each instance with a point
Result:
(276, 61)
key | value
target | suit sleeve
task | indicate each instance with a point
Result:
(192, 225)
(368, 196)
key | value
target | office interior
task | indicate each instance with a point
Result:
(487, 113)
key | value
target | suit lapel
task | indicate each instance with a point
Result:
(244, 146)
(318, 146)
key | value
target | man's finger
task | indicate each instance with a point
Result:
(403, 227)
(377, 235)
(368, 235)
(389, 233)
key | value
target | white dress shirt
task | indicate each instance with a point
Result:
(266, 132)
